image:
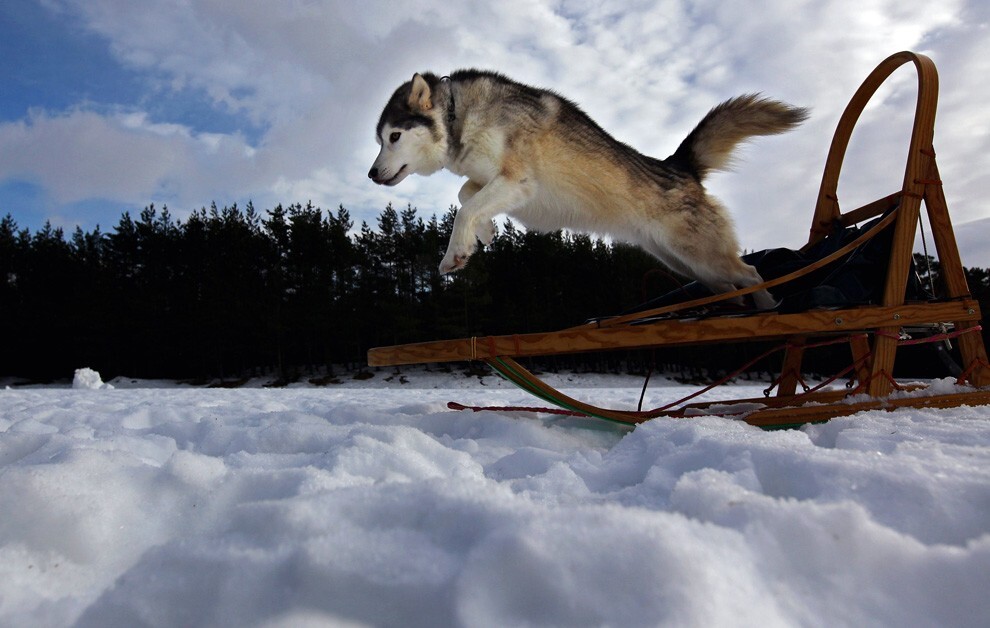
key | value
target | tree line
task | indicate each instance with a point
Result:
(297, 291)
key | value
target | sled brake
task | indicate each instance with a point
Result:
(873, 331)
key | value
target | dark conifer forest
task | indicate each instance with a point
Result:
(297, 292)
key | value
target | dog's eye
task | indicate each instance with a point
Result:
(394, 137)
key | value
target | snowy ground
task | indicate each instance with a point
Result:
(373, 504)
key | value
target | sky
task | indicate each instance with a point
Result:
(109, 105)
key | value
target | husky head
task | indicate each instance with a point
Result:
(411, 132)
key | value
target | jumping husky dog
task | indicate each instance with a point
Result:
(537, 157)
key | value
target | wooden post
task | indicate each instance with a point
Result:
(971, 346)
(790, 370)
(859, 345)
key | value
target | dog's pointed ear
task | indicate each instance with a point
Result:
(420, 97)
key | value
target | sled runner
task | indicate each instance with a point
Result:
(852, 283)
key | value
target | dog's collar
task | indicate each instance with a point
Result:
(452, 107)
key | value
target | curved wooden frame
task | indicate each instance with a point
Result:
(873, 331)
(922, 182)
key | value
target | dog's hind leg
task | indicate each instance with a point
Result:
(751, 277)
(731, 273)
(762, 298)
(500, 195)
(720, 271)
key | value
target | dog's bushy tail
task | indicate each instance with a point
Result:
(709, 146)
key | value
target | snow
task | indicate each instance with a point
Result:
(88, 379)
(371, 503)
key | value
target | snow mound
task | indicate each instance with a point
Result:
(88, 379)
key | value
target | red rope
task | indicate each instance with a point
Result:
(887, 376)
(657, 411)
(934, 338)
(789, 373)
(969, 369)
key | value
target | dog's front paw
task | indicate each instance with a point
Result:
(455, 259)
(485, 231)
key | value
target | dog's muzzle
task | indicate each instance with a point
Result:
(375, 176)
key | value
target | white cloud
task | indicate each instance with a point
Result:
(124, 160)
(314, 75)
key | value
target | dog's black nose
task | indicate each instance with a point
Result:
(373, 173)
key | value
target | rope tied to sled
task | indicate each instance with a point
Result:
(941, 337)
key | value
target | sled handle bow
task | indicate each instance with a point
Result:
(920, 151)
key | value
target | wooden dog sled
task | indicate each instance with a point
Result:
(873, 331)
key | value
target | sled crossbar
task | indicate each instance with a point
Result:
(873, 331)
(674, 332)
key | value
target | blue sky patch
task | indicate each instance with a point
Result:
(49, 61)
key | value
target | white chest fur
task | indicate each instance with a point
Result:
(481, 154)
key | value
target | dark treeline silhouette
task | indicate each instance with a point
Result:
(232, 292)
(296, 291)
